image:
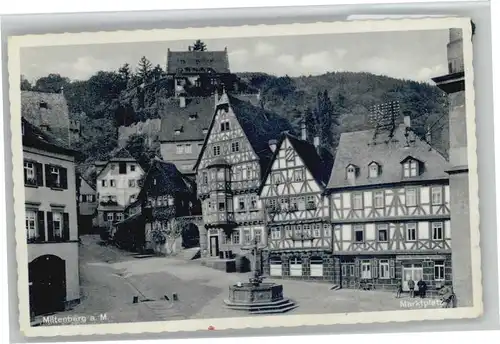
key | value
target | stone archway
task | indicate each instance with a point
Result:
(192, 231)
(47, 284)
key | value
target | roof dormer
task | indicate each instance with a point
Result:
(411, 167)
(374, 169)
(351, 171)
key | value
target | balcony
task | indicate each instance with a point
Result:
(302, 237)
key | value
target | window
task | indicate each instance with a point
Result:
(411, 197)
(327, 230)
(241, 204)
(293, 204)
(179, 149)
(43, 105)
(249, 173)
(109, 217)
(57, 224)
(29, 170)
(437, 231)
(236, 237)
(216, 150)
(384, 269)
(188, 149)
(310, 203)
(437, 195)
(351, 172)
(411, 231)
(112, 183)
(357, 201)
(55, 176)
(131, 183)
(366, 269)
(306, 229)
(373, 170)
(344, 270)
(439, 271)
(358, 233)
(410, 168)
(275, 233)
(317, 230)
(204, 178)
(122, 168)
(224, 125)
(258, 235)
(31, 221)
(119, 216)
(298, 175)
(132, 168)
(378, 199)
(246, 236)
(113, 167)
(222, 206)
(253, 202)
(276, 178)
(382, 235)
(83, 198)
(235, 147)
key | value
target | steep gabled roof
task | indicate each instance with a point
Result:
(194, 118)
(359, 148)
(258, 124)
(169, 181)
(197, 62)
(118, 155)
(122, 155)
(319, 167)
(37, 138)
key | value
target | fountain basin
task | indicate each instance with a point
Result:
(261, 298)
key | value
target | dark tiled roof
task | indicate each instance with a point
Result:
(197, 62)
(191, 120)
(169, 181)
(38, 138)
(259, 126)
(358, 148)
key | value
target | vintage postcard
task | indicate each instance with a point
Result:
(245, 177)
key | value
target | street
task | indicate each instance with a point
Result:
(111, 278)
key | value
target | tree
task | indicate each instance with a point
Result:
(144, 69)
(311, 123)
(52, 83)
(157, 72)
(125, 73)
(199, 46)
(328, 121)
(25, 84)
(138, 146)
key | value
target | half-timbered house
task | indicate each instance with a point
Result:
(297, 210)
(390, 209)
(229, 169)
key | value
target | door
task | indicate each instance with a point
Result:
(47, 284)
(413, 271)
(214, 246)
(275, 267)
(295, 267)
(316, 267)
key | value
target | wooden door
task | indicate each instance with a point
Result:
(47, 284)
(214, 246)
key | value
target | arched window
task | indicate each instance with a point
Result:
(351, 172)
(295, 266)
(373, 170)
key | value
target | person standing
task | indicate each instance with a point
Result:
(422, 288)
(399, 289)
(411, 286)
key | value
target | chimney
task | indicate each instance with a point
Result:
(272, 145)
(182, 101)
(216, 97)
(428, 135)
(407, 121)
(303, 130)
(316, 143)
(61, 90)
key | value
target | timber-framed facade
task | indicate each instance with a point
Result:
(390, 210)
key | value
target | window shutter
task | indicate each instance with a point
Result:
(39, 174)
(356, 268)
(64, 177)
(41, 225)
(50, 227)
(375, 268)
(65, 229)
(392, 268)
(48, 182)
(25, 176)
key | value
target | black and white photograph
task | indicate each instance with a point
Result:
(266, 176)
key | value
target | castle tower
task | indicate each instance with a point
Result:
(454, 85)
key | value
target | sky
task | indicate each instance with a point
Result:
(414, 55)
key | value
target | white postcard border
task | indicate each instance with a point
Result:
(15, 45)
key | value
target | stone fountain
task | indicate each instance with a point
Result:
(256, 296)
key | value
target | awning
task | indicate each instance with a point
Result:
(421, 257)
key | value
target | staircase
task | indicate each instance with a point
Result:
(191, 253)
(279, 306)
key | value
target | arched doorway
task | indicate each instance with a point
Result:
(316, 266)
(47, 284)
(275, 266)
(190, 235)
(296, 266)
